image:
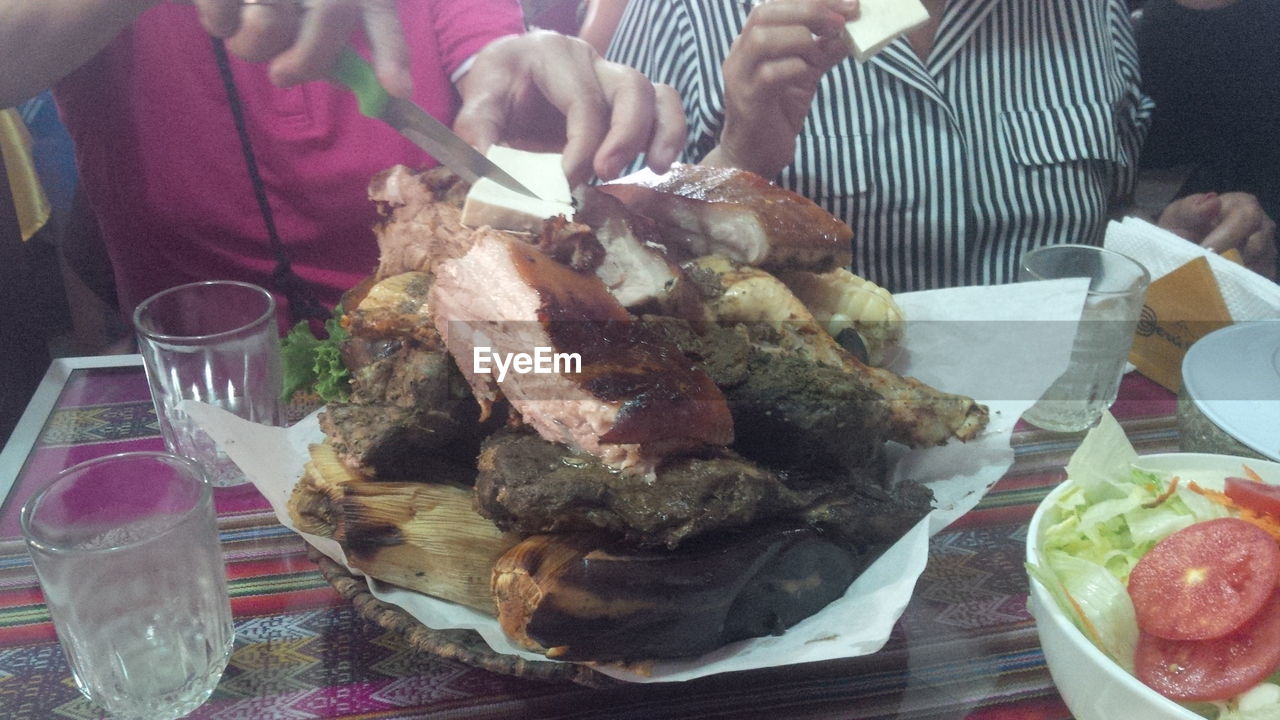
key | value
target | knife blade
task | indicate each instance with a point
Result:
(418, 126)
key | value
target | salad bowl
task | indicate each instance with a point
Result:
(1092, 684)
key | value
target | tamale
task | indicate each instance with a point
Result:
(319, 491)
(424, 537)
(420, 536)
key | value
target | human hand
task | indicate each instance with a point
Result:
(1222, 222)
(547, 90)
(771, 76)
(302, 38)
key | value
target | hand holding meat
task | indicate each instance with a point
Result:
(1223, 222)
(771, 75)
(545, 90)
(302, 40)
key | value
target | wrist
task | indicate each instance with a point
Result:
(723, 156)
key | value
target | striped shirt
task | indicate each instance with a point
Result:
(1021, 129)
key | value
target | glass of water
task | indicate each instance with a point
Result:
(126, 549)
(1104, 335)
(216, 342)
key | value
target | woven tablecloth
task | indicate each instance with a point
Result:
(965, 647)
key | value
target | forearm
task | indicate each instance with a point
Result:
(43, 40)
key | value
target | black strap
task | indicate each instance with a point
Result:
(303, 303)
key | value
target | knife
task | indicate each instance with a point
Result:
(418, 126)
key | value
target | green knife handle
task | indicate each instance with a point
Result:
(354, 72)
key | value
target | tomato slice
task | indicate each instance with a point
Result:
(1202, 670)
(1256, 496)
(1205, 580)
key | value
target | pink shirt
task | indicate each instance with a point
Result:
(161, 162)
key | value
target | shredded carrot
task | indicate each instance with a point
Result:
(1266, 522)
(1251, 474)
(1090, 629)
(1173, 485)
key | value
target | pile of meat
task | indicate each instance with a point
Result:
(713, 468)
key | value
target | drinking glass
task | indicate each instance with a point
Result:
(215, 342)
(1104, 335)
(126, 549)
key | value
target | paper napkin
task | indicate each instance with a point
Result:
(1193, 292)
(1248, 295)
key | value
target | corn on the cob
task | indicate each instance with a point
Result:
(840, 300)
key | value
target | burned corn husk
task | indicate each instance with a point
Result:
(574, 598)
(418, 535)
(319, 491)
(424, 537)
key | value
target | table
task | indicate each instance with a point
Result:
(964, 648)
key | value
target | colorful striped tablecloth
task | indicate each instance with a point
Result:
(964, 648)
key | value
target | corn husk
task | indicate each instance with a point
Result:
(421, 536)
(320, 490)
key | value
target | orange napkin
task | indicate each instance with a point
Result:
(1180, 308)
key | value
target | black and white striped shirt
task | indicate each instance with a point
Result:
(1022, 129)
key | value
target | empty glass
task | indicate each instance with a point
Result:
(126, 549)
(1117, 286)
(216, 342)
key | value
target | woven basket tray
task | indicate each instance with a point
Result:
(465, 646)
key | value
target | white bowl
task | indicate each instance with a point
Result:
(1094, 687)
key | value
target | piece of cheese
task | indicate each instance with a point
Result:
(489, 203)
(880, 21)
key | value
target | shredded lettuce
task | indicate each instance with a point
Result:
(1107, 518)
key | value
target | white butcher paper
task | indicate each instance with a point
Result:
(1001, 344)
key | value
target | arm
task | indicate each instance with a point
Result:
(771, 76)
(40, 42)
(601, 20)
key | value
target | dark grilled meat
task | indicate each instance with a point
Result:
(788, 412)
(530, 485)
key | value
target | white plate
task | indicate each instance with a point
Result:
(1233, 377)
(1094, 687)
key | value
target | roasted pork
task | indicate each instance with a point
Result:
(725, 211)
(593, 378)
(422, 219)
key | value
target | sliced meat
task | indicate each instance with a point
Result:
(708, 210)
(421, 224)
(630, 399)
(530, 485)
(634, 264)
(410, 410)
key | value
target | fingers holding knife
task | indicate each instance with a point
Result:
(303, 38)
